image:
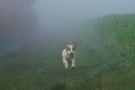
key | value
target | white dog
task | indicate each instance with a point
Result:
(68, 55)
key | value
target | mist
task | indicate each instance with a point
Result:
(33, 35)
(52, 12)
(18, 20)
(54, 20)
(27, 19)
(65, 20)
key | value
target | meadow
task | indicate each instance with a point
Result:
(105, 58)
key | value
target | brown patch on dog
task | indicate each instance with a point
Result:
(74, 44)
(67, 47)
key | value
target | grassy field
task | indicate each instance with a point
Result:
(105, 59)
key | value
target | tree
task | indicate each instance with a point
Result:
(18, 19)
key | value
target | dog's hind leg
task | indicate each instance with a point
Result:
(65, 62)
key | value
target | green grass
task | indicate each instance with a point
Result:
(105, 61)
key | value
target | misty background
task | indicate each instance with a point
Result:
(50, 21)
(33, 34)
(52, 12)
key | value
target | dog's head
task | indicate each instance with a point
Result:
(70, 48)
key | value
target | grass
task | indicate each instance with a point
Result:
(48, 73)
(106, 64)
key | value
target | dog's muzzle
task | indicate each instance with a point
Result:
(71, 55)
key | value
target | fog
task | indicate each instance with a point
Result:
(18, 19)
(64, 19)
(54, 20)
(33, 35)
(52, 12)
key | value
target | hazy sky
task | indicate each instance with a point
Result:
(54, 11)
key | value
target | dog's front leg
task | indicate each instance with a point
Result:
(73, 64)
(65, 62)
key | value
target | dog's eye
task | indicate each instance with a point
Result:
(73, 49)
(68, 49)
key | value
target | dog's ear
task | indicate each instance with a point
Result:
(74, 44)
(67, 47)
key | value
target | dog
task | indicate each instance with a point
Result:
(68, 55)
